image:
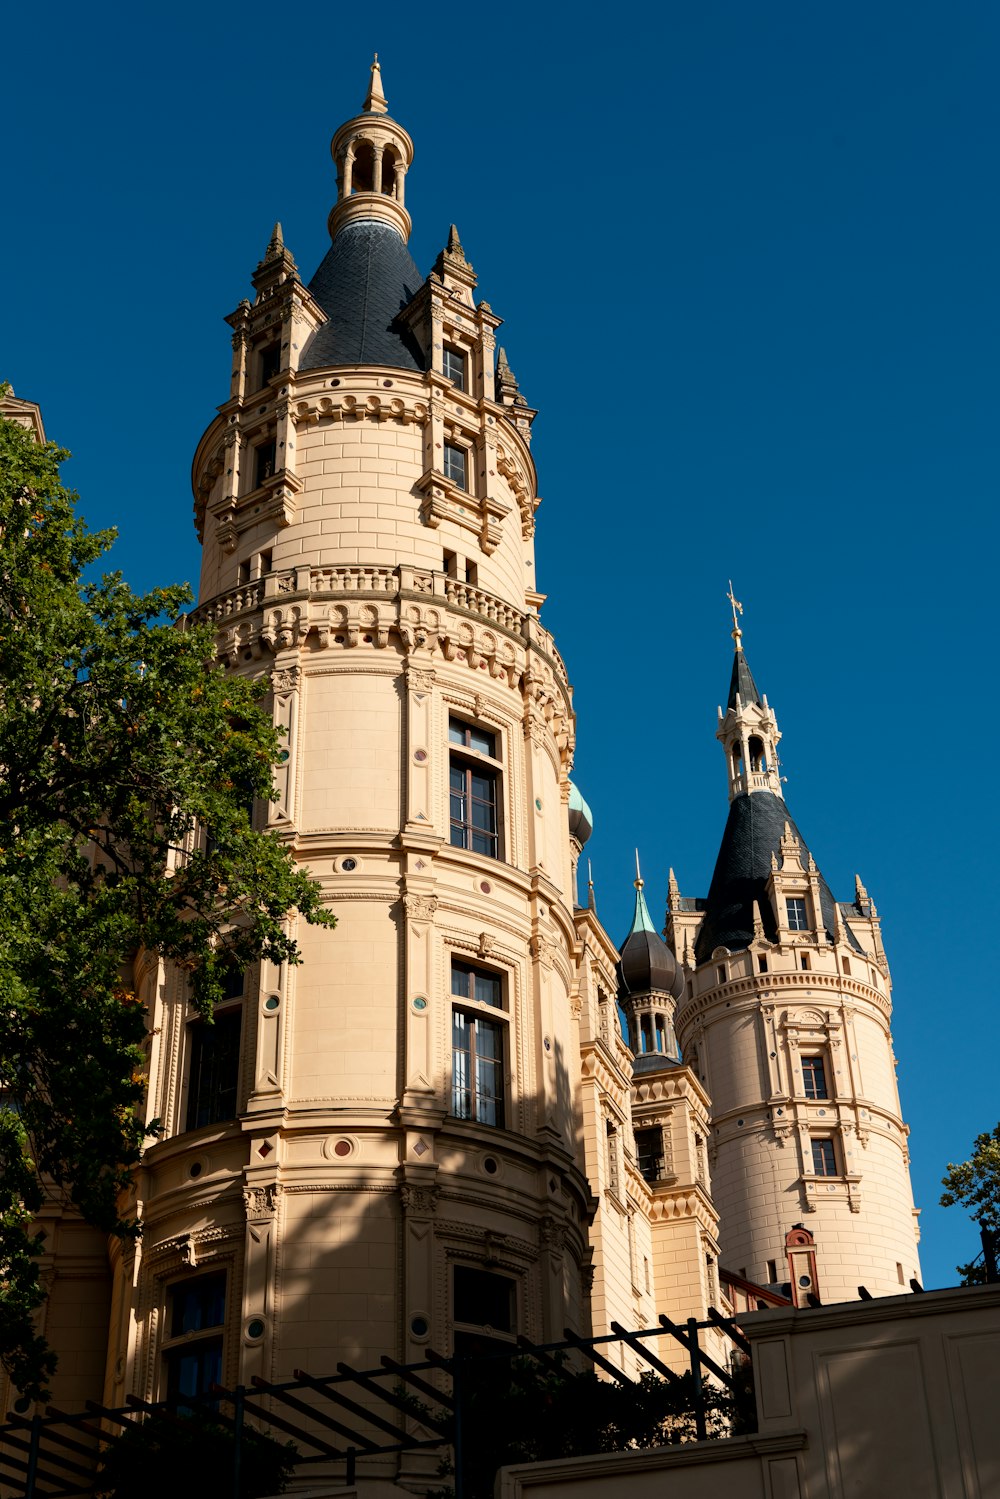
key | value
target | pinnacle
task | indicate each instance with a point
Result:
(454, 243)
(276, 244)
(375, 100)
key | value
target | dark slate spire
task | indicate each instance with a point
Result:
(742, 681)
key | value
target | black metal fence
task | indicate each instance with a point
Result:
(343, 1420)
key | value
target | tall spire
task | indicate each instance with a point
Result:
(748, 729)
(641, 919)
(375, 101)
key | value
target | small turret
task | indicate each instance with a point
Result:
(373, 155)
(650, 982)
(748, 730)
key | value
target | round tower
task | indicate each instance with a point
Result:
(377, 1151)
(786, 1022)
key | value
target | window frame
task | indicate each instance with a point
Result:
(228, 1011)
(809, 1064)
(480, 1017)
(198, 1342)
(797, 901)
(821, 1157)
(450, 353)
(464, 454)
(467, 760)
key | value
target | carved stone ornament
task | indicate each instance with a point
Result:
(552, 1235)
(544, 949)
(419, 679)
(420, 907)
(261, 1202)
(485, 946)
(419, 1199)
(285, 678)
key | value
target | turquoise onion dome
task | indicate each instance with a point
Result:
(581, 819)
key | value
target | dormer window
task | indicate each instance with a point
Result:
(795, 906)
(270, 363)
(453, 366)
(265, 458)
(454, 465)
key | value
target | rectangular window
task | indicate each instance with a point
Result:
(453, 365)
(265, 564)
(796, 907)
(824, 1158)
(270, 363)
(474, 790)
(196, 1311)
(483, 1299)
(614, 1170)
(649, 1153)
(477, 1077)
(265, 458)
(214, 1070)
(814, 1077)
(772, 1273)
(454, 465)
(476, 983)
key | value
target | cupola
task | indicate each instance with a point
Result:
(748, 729)
(650, 981)
(372, 154)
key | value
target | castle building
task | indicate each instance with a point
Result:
(435, 1131)
(785, 1021)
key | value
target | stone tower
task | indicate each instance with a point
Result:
(378, 1150)
(786, 1023)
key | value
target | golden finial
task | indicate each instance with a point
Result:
(737, 609)
(375, 100)
(639, 881)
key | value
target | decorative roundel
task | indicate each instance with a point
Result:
(272, 1003)
(485, 886)
(348, 865)
(21, 1404)
(334, 382)
(339, 1147)
(283, 756)
(256, 1327)
(419, 1003)
(547, 1044)
(419, 1325)
(538, 803)
(420, 756)
(195, 1169)
(491, 1165)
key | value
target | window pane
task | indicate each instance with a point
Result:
(824, 1158)
(487, 986)
(814, 1077)
(480, 740)
(454, 464)
(192, 1371)
(484, 1299)
(796, 908)
(213, 1077)
(198, 1304)
(457, 731)
(453, 364)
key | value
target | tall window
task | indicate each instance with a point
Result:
(270, 362)
(454, 465)
(453, 364)
(814, 1077)
(795, 905)
(214, 1071)
(265, 459)
(649, 1153)
(824, 1157)
(474, 785)
(477, 1039)
(192, 1350)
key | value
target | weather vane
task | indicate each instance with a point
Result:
(737, 609)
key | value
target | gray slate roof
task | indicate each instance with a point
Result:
(367, 278)
(742, 682)
(753, 832)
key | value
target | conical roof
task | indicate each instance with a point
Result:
(646, 961)
(365, 281)
(742, 681)
(754, 830)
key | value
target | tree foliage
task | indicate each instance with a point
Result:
(975, 1184)
(165, 1455)
(119, 736)
(518, 1412)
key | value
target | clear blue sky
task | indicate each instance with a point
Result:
(748, 258)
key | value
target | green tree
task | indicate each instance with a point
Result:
(975, 1184)
(166, 1455)
(119, 735)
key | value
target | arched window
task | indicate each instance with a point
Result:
(758, 757)
(363, 174)
(389, 160)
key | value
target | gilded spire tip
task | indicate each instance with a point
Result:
(639, 881)
(375, 100)
(737, 608)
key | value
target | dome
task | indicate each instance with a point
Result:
(646, 961)
(581, 819)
